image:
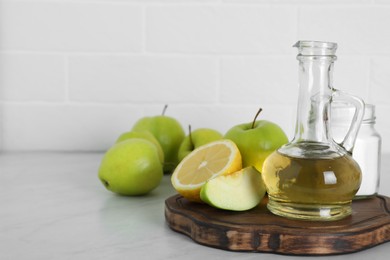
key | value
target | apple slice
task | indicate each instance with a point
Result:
(239, 191)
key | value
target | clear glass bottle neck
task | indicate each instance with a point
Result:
(315, 93)
(312, 131)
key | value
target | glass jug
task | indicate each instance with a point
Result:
(313, 177)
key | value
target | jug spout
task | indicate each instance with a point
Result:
(316, 48)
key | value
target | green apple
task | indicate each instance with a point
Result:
(143, 135)
(241, 190)
(131, 167)
(256, 140)
(197, 138)
(169, 134)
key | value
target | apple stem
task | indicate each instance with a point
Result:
(190, 136)
(164, 109)
(254, 120)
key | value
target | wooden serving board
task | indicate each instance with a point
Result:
(258, 230)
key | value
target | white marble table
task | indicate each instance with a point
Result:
(52, 206)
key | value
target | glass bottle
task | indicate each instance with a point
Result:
(367, 149)
(313, 177)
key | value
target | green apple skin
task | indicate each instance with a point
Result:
(143, 135)
(168, 132)
(199, 137)
(255, 144)
(131, 167)
(239, 191)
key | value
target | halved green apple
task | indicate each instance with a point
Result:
(239, 191)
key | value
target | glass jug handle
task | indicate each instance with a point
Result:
(349, 139)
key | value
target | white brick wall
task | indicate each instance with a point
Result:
(228, 29)
(75, 74)
(32, 76)
(70, 26)
(142, 79)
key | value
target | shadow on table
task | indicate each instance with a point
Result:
(128, 214)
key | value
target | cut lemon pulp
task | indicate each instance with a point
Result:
(206, 162)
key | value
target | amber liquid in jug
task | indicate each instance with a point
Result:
(313, 177)
(310, 181)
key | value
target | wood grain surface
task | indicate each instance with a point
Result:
(258, 230)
